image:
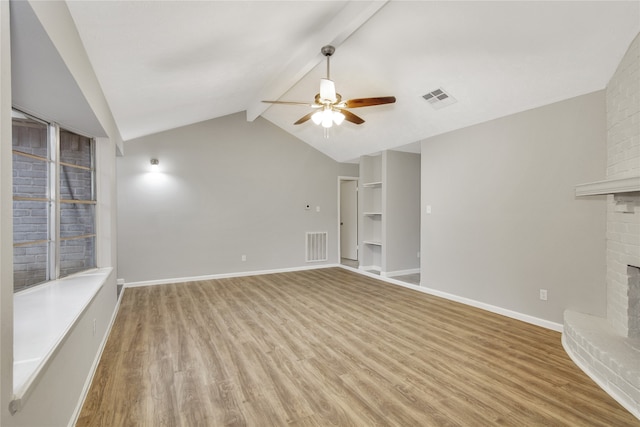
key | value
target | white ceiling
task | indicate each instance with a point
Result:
(172, 63)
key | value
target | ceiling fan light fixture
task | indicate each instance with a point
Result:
(327, 118)
(317, 117)
(328, 91)
(331, 109)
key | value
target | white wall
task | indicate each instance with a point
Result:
(505, 221)
(59, 386)
(226, 187)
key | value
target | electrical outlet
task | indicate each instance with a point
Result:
(243, 258)
(543, 294)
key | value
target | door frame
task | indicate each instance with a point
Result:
(357, 180)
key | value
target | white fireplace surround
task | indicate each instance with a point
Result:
(610, 355)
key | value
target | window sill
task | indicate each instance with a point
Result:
(43, 317)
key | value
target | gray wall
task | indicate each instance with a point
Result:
(505, 221)
(225, 188)
(403, 211)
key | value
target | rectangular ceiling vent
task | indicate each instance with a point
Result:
(439, 98)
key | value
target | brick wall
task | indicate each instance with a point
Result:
(31, 219)
(76, 219)
(623, 160)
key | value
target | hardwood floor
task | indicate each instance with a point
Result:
(331, 347)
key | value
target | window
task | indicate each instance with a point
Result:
(53, 202)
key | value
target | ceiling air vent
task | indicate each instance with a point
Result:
(439, 98)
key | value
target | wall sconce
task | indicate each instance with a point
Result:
(154, 164)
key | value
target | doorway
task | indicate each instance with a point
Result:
(348, 220)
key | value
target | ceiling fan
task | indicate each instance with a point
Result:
(329, 106)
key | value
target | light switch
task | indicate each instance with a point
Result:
(428, 209)
(317, 208)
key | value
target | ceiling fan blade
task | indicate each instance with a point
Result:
(350, 117)
(369, 102)
(289, 103)
(304, 118)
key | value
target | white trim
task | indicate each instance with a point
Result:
(224, 275)
(609, 186)
(363, 270)
(94, 366)
(367, 268)
(60, 303)
(467, 301)
(401, 272)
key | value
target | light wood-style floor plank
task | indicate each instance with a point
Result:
(331, 347)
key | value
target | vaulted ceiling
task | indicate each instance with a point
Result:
(164, 64)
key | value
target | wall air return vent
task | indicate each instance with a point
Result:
(316, 246)
(439, 98)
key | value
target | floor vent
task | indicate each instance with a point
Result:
(316, 246)
(439, 98)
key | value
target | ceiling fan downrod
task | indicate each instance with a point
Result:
(327, 51)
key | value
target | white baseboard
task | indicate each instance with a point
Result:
(225, 275)
(467, 301)
(94, 366)
(362, 270)
(367, 268)
(400, 272)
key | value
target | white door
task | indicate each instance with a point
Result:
(349, 219)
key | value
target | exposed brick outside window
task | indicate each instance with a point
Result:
(34, 210)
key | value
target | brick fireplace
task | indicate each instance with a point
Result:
(608, 350)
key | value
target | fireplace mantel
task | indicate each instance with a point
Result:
(609, 186)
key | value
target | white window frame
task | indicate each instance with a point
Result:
(55, 201)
